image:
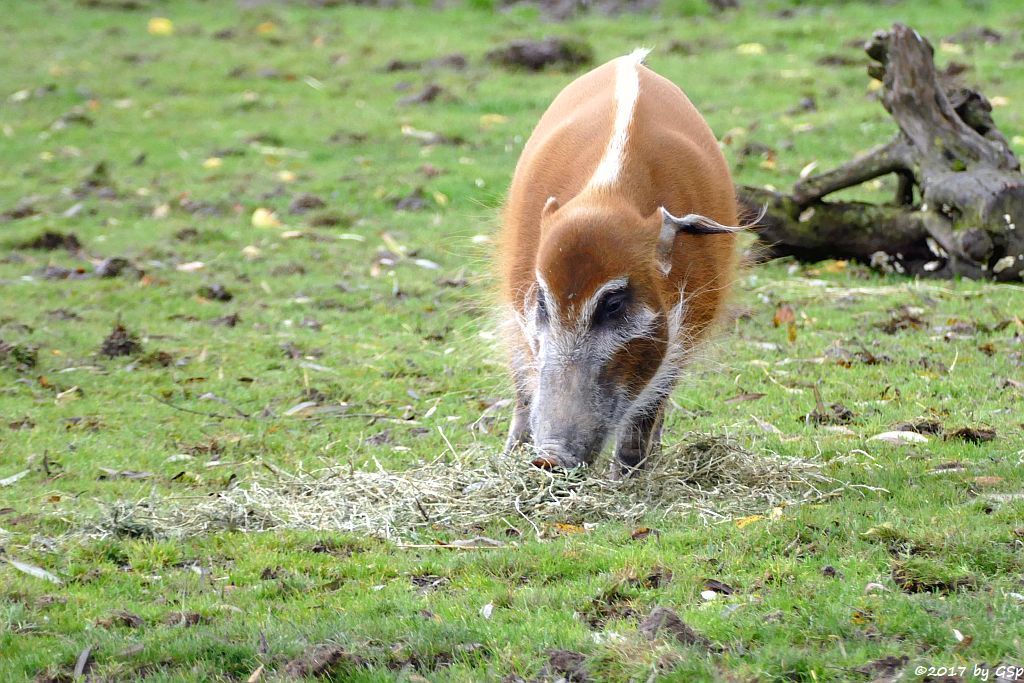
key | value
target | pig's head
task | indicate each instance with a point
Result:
(603, 323)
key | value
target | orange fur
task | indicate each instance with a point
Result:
(671, 160)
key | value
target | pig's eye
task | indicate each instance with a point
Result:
(542, 308)
(611, 307)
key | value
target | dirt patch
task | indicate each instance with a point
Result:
(973, 434)
(51, 240)
(537, 55)
(121, 618)
(322, 660)
(305, 202)
(664, 622)
(120, 342)
(565, 665)
(429, 93)
(21, 357)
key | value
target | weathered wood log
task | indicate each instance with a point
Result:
(948, 148)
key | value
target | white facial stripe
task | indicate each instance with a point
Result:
(627, 90)
(561, 344)
(591, 305)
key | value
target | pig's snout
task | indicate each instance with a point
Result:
(552, 455)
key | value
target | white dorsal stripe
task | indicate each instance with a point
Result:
(627, 90)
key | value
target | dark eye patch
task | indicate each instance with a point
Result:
(612, 307)
(542, 307)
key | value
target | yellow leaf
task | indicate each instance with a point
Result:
(441, 198)
(562, 528)
(860, 617)
(392, 244)
(999, 101)
(266, 27)
(213, 162)
(265, 218)
(951, 48)
(874, 85)
(750, 49)
(488, 120)
(286, 176)
(835, 266)
(745, 521)
(160, 26)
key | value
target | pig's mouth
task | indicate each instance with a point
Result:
(557, 455)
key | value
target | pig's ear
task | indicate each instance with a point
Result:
(690, 224)
(550, 207)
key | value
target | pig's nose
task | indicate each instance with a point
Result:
(555, 455)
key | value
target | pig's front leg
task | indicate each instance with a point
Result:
(519, 432)
(639, 441)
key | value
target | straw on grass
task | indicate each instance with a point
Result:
(713, 478)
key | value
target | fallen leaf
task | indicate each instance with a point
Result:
(765, 426)
(83, 663)
(784, 315)
(160, 26)
(14, 478)
(265, 218)
(32, 570)
(750, 49)
(840, 430)
(718, 587)
(643, 533)
(746, 521)
(488, 120)
(900, 437)
(740, 398)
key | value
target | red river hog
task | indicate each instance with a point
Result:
(616, 256)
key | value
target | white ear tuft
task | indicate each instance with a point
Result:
(690, 224)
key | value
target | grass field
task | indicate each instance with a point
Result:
(370, 300)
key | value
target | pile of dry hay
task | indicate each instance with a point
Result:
(714, 478)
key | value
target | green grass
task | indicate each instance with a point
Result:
(945, 545)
